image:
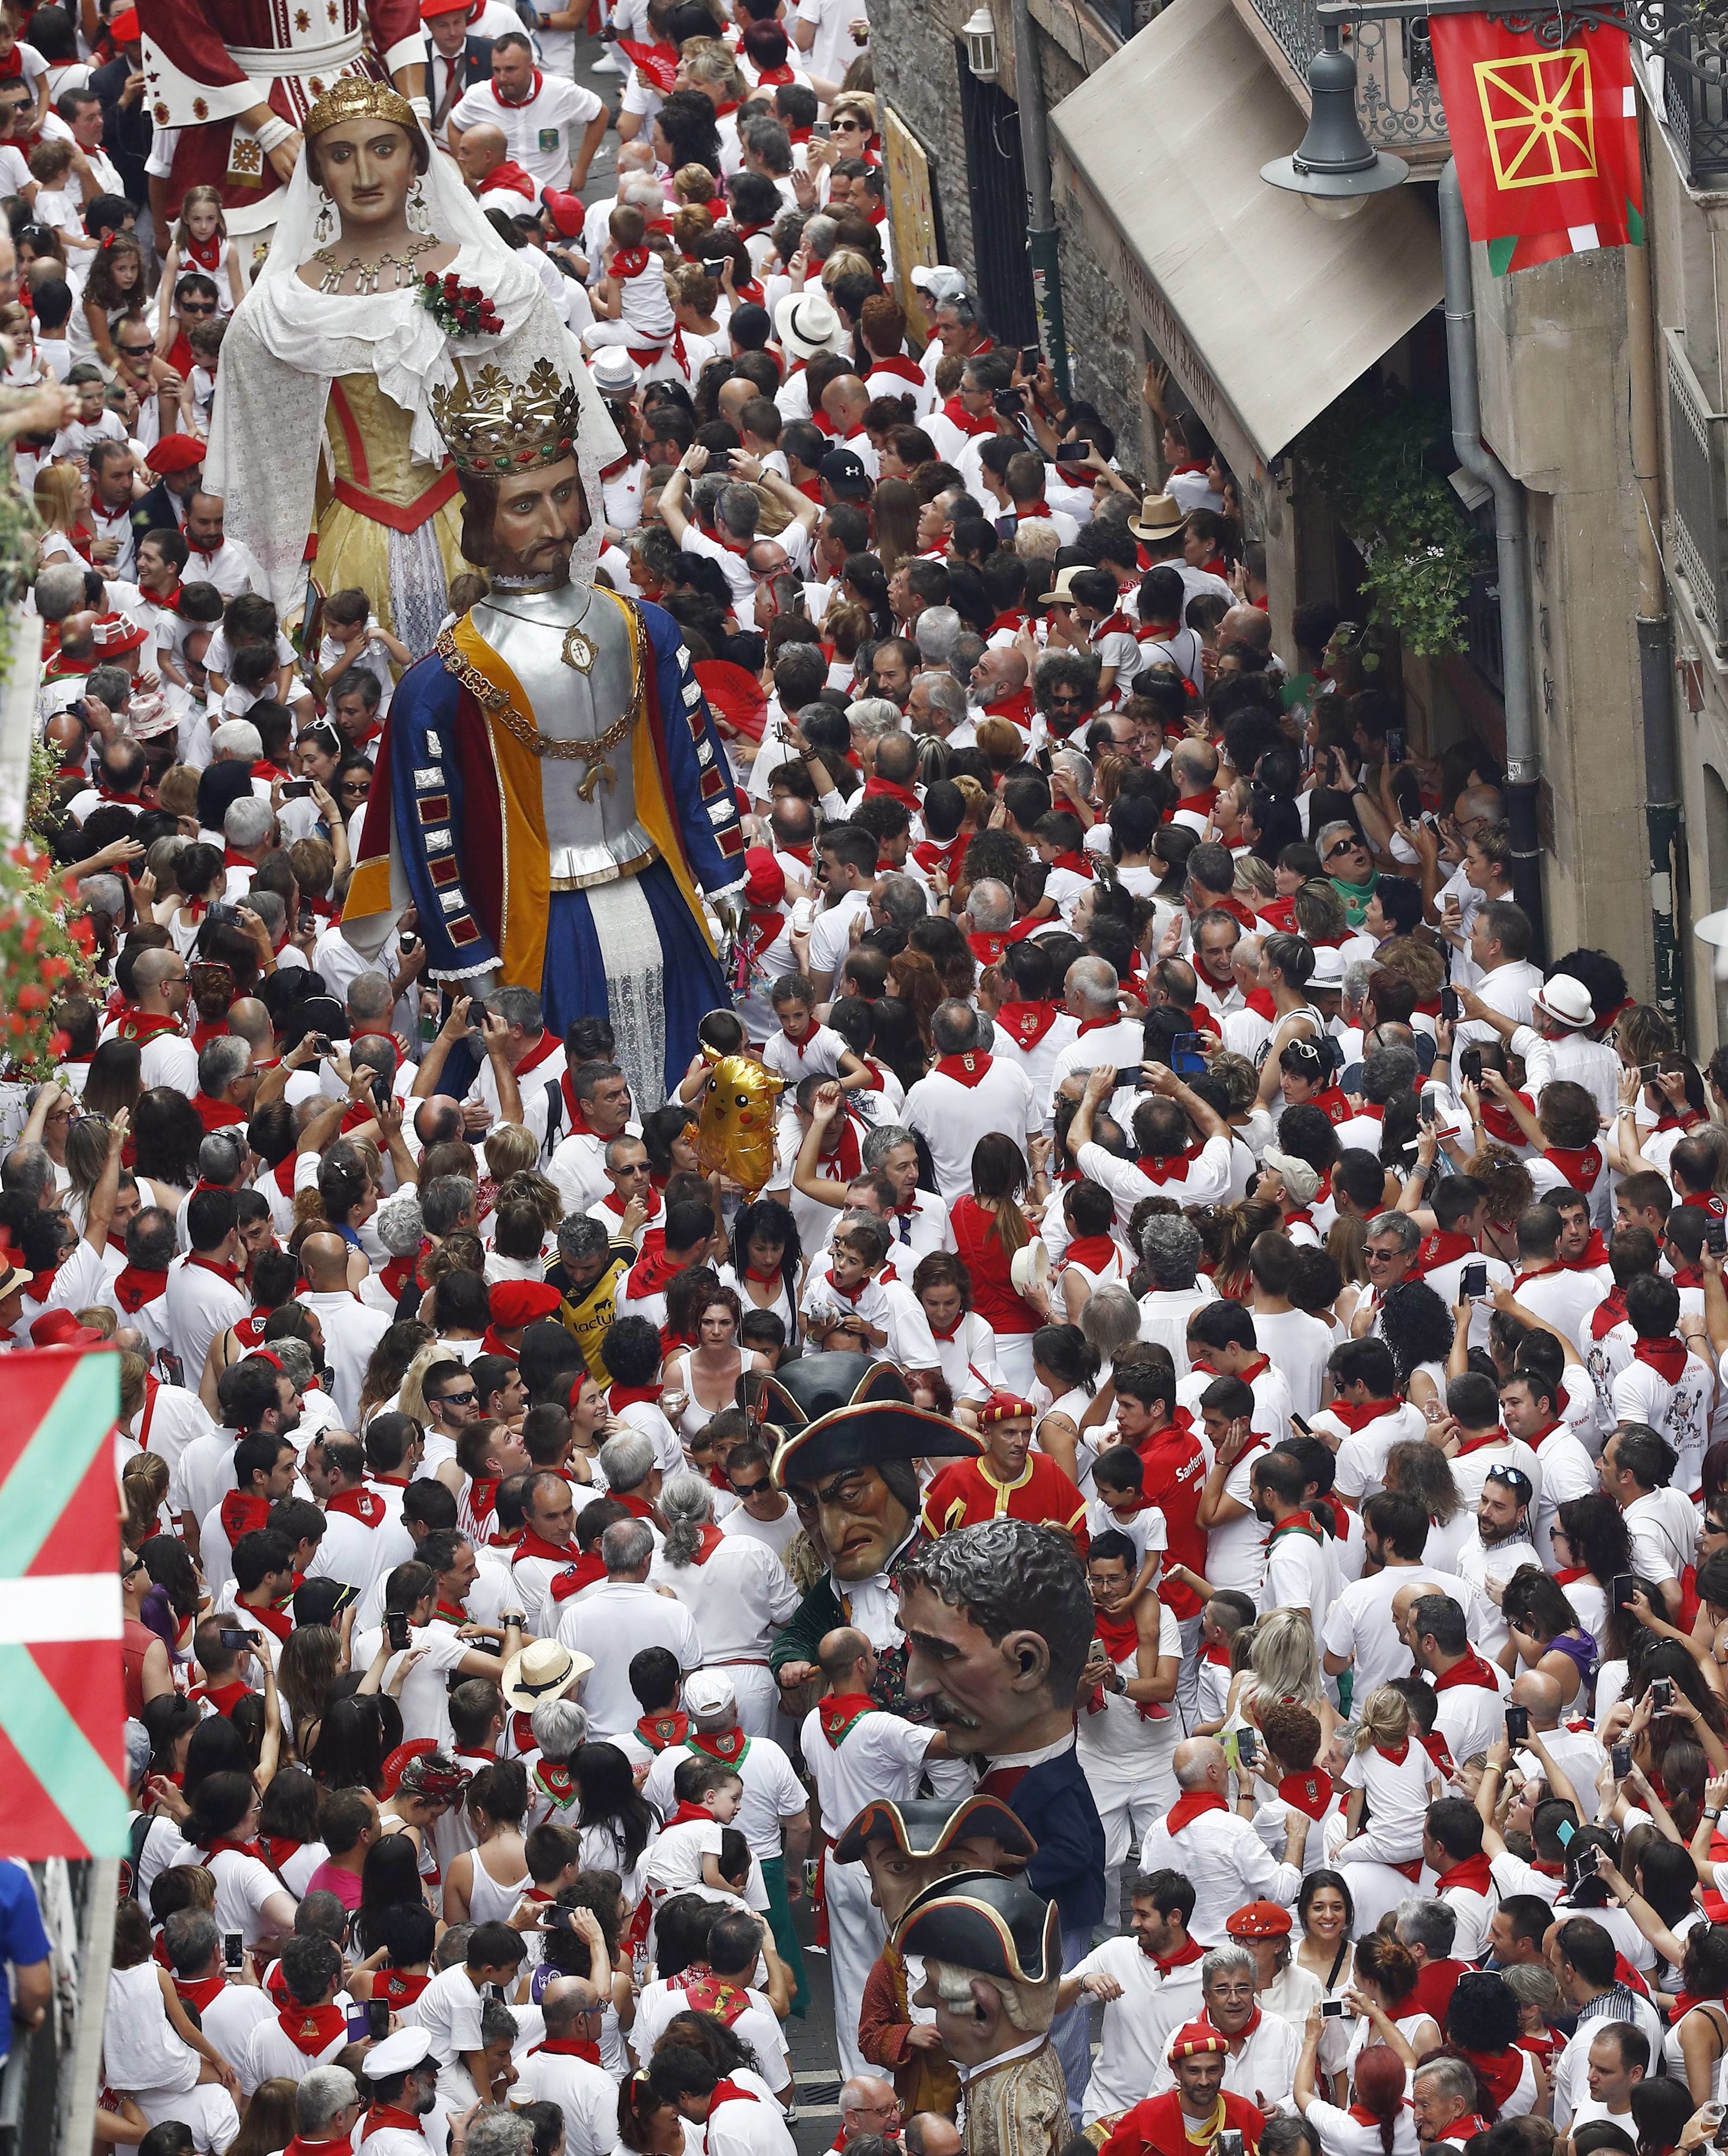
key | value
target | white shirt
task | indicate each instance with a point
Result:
(614, 1622)
(951, 1117)
(1138, 2026)
(772, 1792)
(201, 1304)
(1227, 1863)
(738, 1597)
(586, 2094)
(1359, 1623)
(1663, 1529)
(351, 1331)
(543, 133)
(880, 1756)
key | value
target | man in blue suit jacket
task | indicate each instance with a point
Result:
(454, 60)
(998, 1619)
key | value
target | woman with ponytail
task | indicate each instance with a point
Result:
(1378, 2122)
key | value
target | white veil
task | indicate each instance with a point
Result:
(286, 342)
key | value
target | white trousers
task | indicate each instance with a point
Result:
(856, 1935)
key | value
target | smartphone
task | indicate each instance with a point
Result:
(395, 1629)
(820, 130)
(1449, 1005)
(234, 1950)
(1647, 1072)
(1247, 1747)
(1661, 1694)
(1715, 1237)
(306, 922)
(1588, 1861)
(1185, 1057)
(1620, 1590)
(1228, 2142)
(1518, 1724)
(229, 916)
(1469, 1066)
(1299, 1427)
(1428, 1112)
(377, 2019)
(296, 789)
(234, 1638)
(1395, 744)
(1030, 355)
(1473, 1282)
(1621, 1756)
(1332, 2010)
(380, 1093)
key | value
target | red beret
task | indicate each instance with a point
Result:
(1194, 2042)
(60, 1328)
(519, 1303)
(1260, 1920)
(1004, 1407)
(176, 453)
(471, 8)
(764, 879)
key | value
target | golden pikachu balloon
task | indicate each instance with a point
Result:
(735, 1133)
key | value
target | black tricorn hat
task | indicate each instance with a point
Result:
(834, 1412)
(924, 1826)
(979, 1920)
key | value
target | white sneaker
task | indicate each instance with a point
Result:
(606, 64)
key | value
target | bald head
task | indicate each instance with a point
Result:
(998, 674)
(150, 968)
(868, 2105)
(1540, 1694)
(841, 1652)
(324, 1261)
(844, 400)
(565, 2005)
(484, 149)
(1199, 1763)
(929, 2133)
(247, 1018)
(1248, 625)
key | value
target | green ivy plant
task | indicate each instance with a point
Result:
(1379, 453)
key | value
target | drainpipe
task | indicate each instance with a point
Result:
(1655, 648)
(1041, 225)
(1509, 539)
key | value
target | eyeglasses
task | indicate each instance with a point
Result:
(135, 351)
(1068, 695)
(852, 127)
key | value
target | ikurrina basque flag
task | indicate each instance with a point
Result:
(62, 1699)
(1545, 138)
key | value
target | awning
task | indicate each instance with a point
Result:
(1265, 311)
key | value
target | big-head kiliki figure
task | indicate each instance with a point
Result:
(998, 1623)
(557, 800)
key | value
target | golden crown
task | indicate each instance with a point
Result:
(357, 97)
(493, 425)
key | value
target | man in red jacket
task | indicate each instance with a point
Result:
(1194, 2112)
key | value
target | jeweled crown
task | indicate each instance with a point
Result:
(493, 425)
(357, 97)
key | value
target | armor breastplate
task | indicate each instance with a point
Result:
(593, 835)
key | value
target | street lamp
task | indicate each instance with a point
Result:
(1336, 169)
(979, 31)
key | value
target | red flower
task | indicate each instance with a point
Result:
(31, 997)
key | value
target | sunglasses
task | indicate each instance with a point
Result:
(1349, 846)
(456, 1399)
(751, 1489)
(355, 786)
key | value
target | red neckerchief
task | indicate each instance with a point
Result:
(1608, 1313)
(568, 2047)
(877, 788)
(730, 1745)
(1029, 1023)
(511, 179)
(1497, 1435)
(1017, 709)
(140, 1026)
(632, 1503)
(1190, 1807)
(199, 1990)
(231, 1274)
(383, 2116)
(1357, 1415)
(1311, 1793)
(243, 1512)
(400, 1986)
(312, 2029)
(222, 1843)
(648, 1276)
(1685, 1276)
(1470, 1669)
(216, 1114)
(1173, 1167)
(534, 1544)
(1565, 1578)
(1472, 1874)
(711, 1540)
(661, 1732)
(543, 1050)
(509, 106)
(587, 1571)
(1094, 1252)
(897, 363)
(224, 1698)
(1300, 1523)
(136, 1286)
(1076, 865)
(1666, 1357)
(275, 1621)
(845, 1155)
(362, 1505)
(395, 1277)
(1542, 1435)
(1442, 1248)
(957, 415)
(578, 1124)
(729, 2092)
(1580, 1165)
(1434, 1744)
(840, 1712)
(686, 1815)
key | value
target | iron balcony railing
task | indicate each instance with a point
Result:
(1696, 105)
(1398, 95)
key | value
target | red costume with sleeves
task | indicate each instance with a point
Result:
(1158, 2127)
(208, 61)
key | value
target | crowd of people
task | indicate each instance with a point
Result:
(1181, 1154)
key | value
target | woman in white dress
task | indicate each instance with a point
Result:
(1383, 1986)
(766, 1255)
(1066, 1369)
(699, 1383)
(965, 1345)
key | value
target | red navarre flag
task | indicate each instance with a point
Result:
(1545, 138)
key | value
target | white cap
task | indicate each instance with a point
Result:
(708, 1693)
(398, 2054)
(942, 283)
(1328, 968)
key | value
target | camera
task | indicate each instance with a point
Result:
(1332, 2010)
(1647, 1072)
(1009, 402)
(296, 789)
(395, 1629)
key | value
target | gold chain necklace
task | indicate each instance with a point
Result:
(501, 707)
(366, 281)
